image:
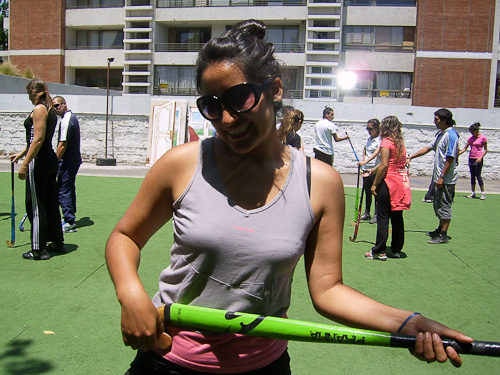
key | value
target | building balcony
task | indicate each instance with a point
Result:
(195, 47)
(226, 3)
(94, 18)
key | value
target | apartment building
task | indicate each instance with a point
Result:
(335, 50)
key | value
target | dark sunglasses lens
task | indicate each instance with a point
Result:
(210, 107)
(56, 105)
(240, 98)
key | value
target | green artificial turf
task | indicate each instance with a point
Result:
(72, 295)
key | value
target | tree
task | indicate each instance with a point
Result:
(4, 8)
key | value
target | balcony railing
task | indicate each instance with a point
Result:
(191, 91)
(195, 47)
(378, 47)
(226, 3)
(377, 93)
(74, 48)
(178, 47)
(394, 3)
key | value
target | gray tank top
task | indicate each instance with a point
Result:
(230, 258)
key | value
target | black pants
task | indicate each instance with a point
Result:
(384, 213)
(367, 185)
(66, 179)
(475, 169)
(328, 159)
(150, 363)
(42, 205)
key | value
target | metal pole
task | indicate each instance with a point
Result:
(107, 110)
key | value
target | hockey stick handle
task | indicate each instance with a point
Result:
(287, 329)
(356, 155)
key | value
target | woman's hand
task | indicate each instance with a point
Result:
(23, 172)
(373, 190)
(429, 346)
(142, 325)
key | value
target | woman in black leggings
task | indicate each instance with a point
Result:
(478, 148)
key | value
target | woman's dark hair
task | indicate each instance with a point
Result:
(375, 123)
(391, 128)
(326, 111)
(40, 92)
(288, 122)
(244, 46)
(474, 127)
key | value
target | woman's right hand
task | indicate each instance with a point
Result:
(141, 323)
(15, 157)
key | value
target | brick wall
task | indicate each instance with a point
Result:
(39, 25)
(453, 26)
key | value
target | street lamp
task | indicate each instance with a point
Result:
(106, 161)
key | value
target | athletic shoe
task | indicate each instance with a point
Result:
(394, 255)
(434, 233)
(427, 200)
(471, 196)
(37, 255)
(439, 239)
(365, 216)
(373, 219)
(483, 197)
(69, 228)
(371, 255)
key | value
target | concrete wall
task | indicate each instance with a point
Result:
(129, 126)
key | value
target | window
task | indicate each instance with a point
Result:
(389, 84)
(284, 38)
(99, 39)
(176, 80)
(190, 35)
(379, 38)
(95, 3)
(98, 78)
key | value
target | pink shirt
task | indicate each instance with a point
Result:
(476, 146)
(397, 178)
(221, 353)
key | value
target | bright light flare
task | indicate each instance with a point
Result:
(347, 80)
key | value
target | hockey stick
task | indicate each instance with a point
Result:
(21, 224)
(356, 204)
(12, 240)
(355, 155)
(288, 329)
(358, 219)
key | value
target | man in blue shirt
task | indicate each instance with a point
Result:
(68, 154)
(445, 172)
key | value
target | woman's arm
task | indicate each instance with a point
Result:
(382, 169)
(39, 128)
(149, 211)
(372, 156)
(464, 149)
(485, 146)
(336, 301)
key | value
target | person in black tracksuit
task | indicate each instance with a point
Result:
(39, 170)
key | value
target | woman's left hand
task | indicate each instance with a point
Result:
(429, 346)
(23, 172)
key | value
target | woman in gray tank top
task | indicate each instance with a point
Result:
(242, 218)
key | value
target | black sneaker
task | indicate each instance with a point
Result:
(37, 255)
(439, 239)
(434, 233)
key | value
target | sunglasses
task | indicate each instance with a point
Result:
(297, 119)
(369, 129)
(57, 105)
(240, 98)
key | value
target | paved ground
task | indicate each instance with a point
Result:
(136, 171)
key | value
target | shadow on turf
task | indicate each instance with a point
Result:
(69, 249)
(84, 222)
(15, 360)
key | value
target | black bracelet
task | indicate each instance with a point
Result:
(407, 320)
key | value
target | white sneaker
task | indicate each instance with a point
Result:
(483, 197)
(471, 195)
